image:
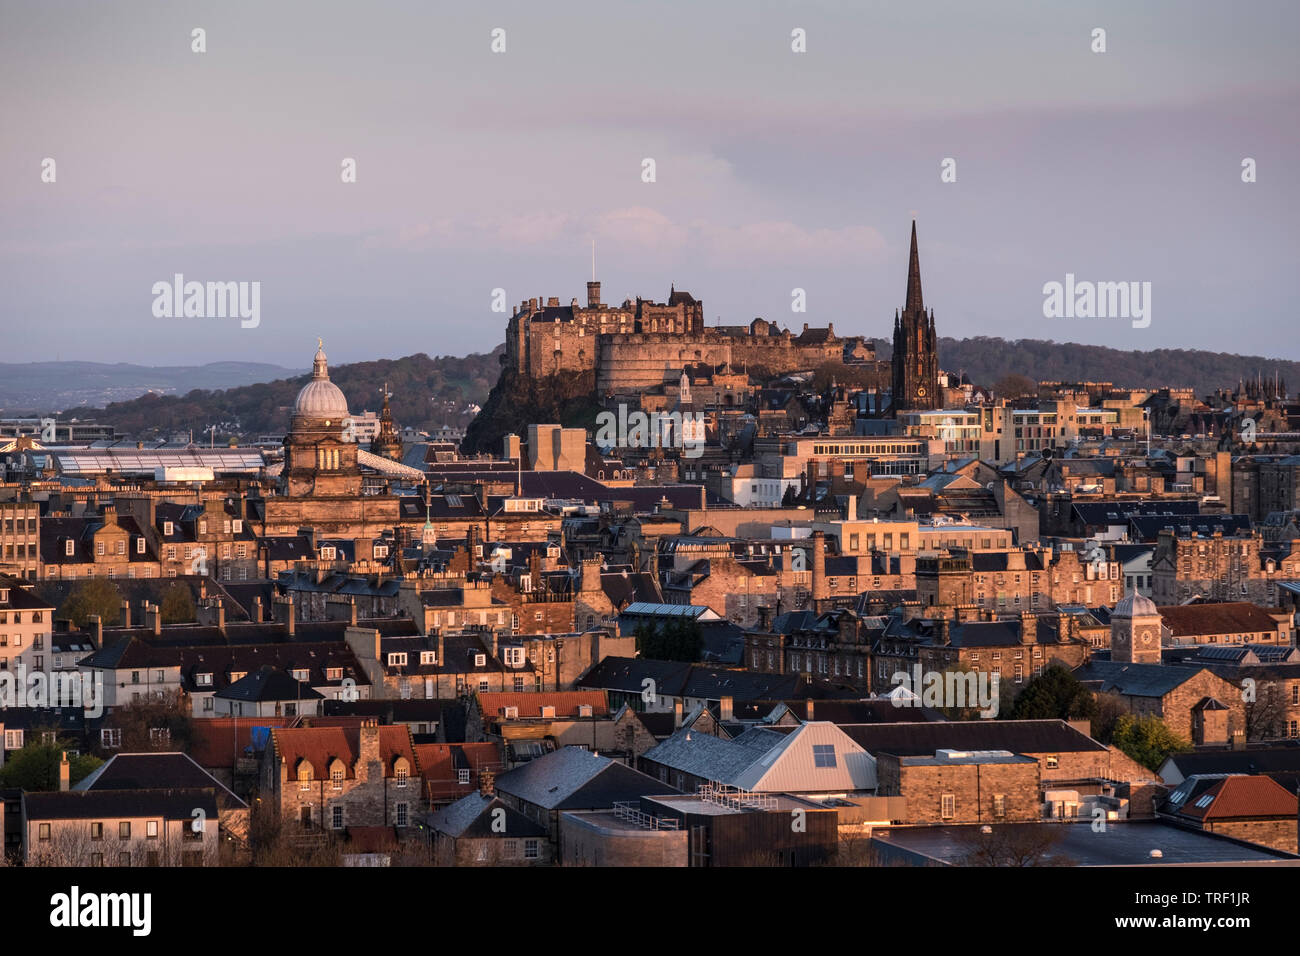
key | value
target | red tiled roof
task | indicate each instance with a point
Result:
(1243, 795)
(566, 703)
(321, 745)
(218, 741)
(1234, 617)
(439, 766)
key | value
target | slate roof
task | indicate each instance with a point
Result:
(1234, 617)
(1017, 736)
(175, 804)
(471, 817)
(154, 771)
(575, 779)
(269, 683)
(1136, 680)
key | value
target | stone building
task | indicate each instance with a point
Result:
(916, 355)
(333, 777)
(956, 786)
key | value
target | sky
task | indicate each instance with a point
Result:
(775, 170)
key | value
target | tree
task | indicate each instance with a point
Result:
(1110, 708)
(92, 596)
(177, 605)
(155, 723)
(1055, 694)
(1014, 385)
(1147, 740)
(36, 766)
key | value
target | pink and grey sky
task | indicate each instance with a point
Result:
(775, 170)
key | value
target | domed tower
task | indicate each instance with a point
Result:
(1135, 630)
(318, 458)
(386, 443)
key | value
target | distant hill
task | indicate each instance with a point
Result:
(43, 387)
(985, 360)
(436, 391)
(426, 391)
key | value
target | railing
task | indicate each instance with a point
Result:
(630, 812)
(735, 797)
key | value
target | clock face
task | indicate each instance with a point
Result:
(921, 391)
(1121, 637)
(1145, 637)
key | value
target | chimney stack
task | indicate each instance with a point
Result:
(726, 708)
(96, 626)
(126, 613)
(65, 773)
(808, 710)
(677, 713)
(284, 612)
(487, 783)
(819, 589)
(257, 609)
(153, 618)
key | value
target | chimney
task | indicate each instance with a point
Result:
(819, 589)
(590, 578)
(257, 609)
(153, 618)
(96, 626)
(65, 773)
(369, 755)
(487, 783)
(126, 613)
(764, 618)
(943, 630)
(808, 710)
(725, 707)
(1065, 627)
(851, 508)
(1028, 627)
(212, 613)
(677, 712)
(283, 609)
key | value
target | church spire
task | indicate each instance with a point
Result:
(913, 302)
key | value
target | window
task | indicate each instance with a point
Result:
(336, 818)
(483, 685)
(13, 740)
(124, 830)
(1053, 761)
(151, 829)
(428, 657)
(397, 659)
(304, 776)
(462, 777)
(531, 848)
(203, 680)
(823, 755)
(159, 735)
(336, 778)
(510, 849)
(43, 831)
(124, 859)
(948, 806)
(97, 831)
(401, 814)
(68, 547)
(168, 528)
(999, 805)
(301, 674)
(110, 737)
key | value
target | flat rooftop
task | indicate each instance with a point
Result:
(1120, 844)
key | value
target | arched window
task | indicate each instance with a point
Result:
(401, 771)
(304, 774)
(337, 773)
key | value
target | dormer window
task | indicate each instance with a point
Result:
(327, 553)
(428, 657)
(333, 673)
(168, 528)
(237, 526)
(203, 527)
(480, 660)
(69, 547)
(514, 656)
(139, 545)
(203, 680)
(301, 674)
(397, 659)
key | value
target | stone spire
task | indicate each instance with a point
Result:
(913, 301)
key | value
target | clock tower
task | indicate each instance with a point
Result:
(916, 358)
(1135, 630)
